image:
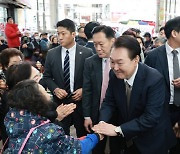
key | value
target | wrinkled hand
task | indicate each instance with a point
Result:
(176, 82)
(65, 110)
(60, 93)
(2, 84)
(77, 95)
(105, 128)
(88, 124)
(176, 129)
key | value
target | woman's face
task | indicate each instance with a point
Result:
(43, 91)
(14, 60)
(35, 74)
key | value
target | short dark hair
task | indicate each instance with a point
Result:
(9, 18)
(128, 32)
(68, 24)
(6, 54)
(129, 43)
(17, 73)
(26, 95)
(89, 27)
(172, 24)
(107, 30)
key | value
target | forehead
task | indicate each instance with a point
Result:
(62, 29)
(119, 53)
(100, 36)
(16, 57)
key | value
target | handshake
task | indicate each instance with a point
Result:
(103, 128)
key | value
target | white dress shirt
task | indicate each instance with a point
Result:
(72, 54)
(170, 67)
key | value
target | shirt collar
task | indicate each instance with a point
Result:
(169, 49)
(130, 81)
(73, 48)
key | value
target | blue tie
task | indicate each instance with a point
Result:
(67, 73)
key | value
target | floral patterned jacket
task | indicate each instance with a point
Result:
(46, 139)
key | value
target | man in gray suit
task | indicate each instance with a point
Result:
(64, 73)
(103, 38)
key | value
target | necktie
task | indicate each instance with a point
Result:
(67, 73)
(176, 74)
(105, 80)
(128, 93)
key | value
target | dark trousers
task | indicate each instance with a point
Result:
(175, 117)
(76, 118)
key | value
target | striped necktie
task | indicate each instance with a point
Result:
(176, 74)
(67, 73)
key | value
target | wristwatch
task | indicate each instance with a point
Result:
(118, 131)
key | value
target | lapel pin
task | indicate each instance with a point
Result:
(80, 53)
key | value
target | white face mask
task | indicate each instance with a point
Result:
(37, 37)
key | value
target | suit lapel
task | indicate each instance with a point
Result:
(137, 88)
(78, 61)
(98, 69)
(164, 63)
(59, 59)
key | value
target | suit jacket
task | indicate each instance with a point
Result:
(92, 81)
(53, 74)
(146, 121)
(157, 59)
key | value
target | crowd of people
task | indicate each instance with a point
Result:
(118, 91)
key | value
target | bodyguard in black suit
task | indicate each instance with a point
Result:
(137, 92)
(64, 76)
(161, 59)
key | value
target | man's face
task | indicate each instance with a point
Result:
(162, 34)
(35, 74)
(102, 44)
(66, 38)
(121, 64)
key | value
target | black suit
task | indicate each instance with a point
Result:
(92, 83)
(92, 87)
(157, 59)
(53, 77)
(145, 122)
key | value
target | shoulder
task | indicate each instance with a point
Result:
(83, 49)
(150, 73)
(54, 51)
(156, 51)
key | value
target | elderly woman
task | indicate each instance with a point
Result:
(29, 102)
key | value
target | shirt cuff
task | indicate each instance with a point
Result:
(87, 118)
(121, 131)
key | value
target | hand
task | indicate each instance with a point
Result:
(176, 82)
(60, 93)
(88, 124)
(2, 84)
(24, 46)
(65, 110)
(105, 128)
(77, 95)
(101, 137)
(176, 129)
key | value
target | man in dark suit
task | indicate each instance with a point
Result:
(161, 59)
(87, 30)
(64, 73)
(137, 92)
(103, 38)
